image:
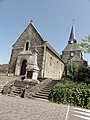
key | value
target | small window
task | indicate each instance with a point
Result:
(29, 74)
(50, 61)
(27, 46)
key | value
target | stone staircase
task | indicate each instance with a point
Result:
(18, 91)
(44, 92)
(18, 88)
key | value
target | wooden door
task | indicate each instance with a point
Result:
(23, 67)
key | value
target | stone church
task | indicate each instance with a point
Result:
(48, 63)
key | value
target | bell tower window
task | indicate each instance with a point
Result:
(71, 54)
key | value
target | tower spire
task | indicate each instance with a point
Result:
(72, 38)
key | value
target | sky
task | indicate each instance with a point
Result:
(52, 18)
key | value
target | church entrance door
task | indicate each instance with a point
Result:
(23, 67)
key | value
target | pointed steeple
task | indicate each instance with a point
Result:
(72, 38)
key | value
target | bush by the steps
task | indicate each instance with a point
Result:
(72, 93)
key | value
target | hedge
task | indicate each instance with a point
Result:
(72, 93)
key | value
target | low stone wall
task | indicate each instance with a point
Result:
(8, 87)
(12, 86)
(32, 91)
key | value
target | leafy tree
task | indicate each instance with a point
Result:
(84, 69)
(79, 73)
(84, 73)
(85, 45)
(73, 69)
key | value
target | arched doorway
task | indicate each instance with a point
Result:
(23, 67)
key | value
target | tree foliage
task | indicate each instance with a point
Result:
(84, 73)
(73, 69)
(85, 45)
(79, 73)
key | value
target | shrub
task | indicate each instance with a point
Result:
(73, 93)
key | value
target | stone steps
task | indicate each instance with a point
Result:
(17, 91)
(40, 96)
(44, 92)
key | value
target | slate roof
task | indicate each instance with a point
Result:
(72, 42)
(72, 47)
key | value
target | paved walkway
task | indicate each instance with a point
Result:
(14, 108)
(76, 113)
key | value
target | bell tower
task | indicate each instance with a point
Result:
(72, 50)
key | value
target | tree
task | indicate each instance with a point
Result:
(83, 73)
(72, 69)
(85, 45)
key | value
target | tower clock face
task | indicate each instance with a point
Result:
(71, 41)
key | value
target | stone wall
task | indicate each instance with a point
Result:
(4, 68)
(66, 56)
(54, 67)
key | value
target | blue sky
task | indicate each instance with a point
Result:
(52, 18)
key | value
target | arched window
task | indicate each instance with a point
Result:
(27, 46)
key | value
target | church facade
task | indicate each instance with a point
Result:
(49, 61)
